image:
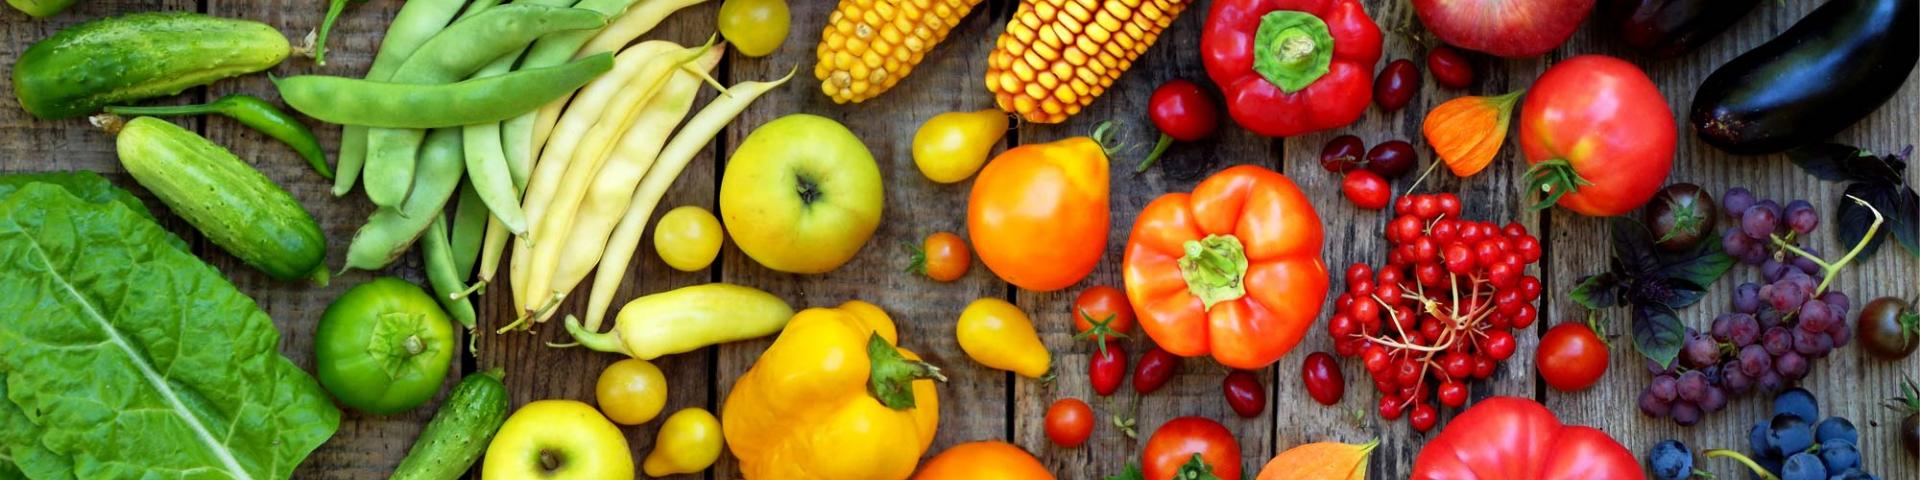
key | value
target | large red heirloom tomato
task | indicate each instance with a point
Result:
(1506, 438)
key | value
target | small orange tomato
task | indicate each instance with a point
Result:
(1038, 213)
(942, 257)
(983, 461)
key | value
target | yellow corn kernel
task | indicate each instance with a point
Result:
(1058, 55)
(869, 45)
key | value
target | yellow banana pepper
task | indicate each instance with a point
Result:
(687, 319)
(833, 399)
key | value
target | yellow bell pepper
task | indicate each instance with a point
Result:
(833, 399)
(687, 319)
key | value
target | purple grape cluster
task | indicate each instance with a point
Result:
(1774, 331)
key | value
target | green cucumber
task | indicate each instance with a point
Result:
(459, 432)
(119, 60)
(234, 205)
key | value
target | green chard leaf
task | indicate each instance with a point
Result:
(134, 358)
(87, 185)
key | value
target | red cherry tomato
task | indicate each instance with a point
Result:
(1245, 394)
(1184, 111)
(1396, 85)
(1107, 369)
(1571, 357)
(1175, 444)
(1324, 381)
(1343, 154)
(1155, 368)
(1101, 313)
(1366, 189)
(1069, 422)
(1450, 68)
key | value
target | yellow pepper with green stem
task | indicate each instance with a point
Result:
(833, 398)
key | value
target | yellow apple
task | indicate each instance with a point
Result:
(558, 440)
(801, 194)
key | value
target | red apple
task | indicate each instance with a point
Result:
(1505, 28)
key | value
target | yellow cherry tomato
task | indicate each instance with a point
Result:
(999, 335)
(690, 441)
(631, 391)
(688, 238)
(952, 146)
(755, 27)
(942, 257)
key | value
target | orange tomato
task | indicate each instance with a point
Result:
(983, 461)
(942, 257)
(1038, 213)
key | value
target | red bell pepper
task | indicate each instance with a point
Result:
(1290, 67)
(1506, 438)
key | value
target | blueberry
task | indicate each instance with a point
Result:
(1787, 434)
(1771, 464)
(1797, 401)
(1839, 454)
(1836, 428)
(1757, 438)
(1853, 474)
(1670, 460)
(1803, 466)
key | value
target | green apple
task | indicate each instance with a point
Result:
(558, 440)
(801, 194)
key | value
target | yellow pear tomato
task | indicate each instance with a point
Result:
(952, 146)
(689, 442)
(999, 335)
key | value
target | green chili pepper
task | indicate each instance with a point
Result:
(256, 114)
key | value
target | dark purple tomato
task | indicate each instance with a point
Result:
(1343, 154)
(1889, 328)
(1324, 381)
(1392, 159)
(1395, 86)
(1244, 394)
(1681, 216)
(1450, 68)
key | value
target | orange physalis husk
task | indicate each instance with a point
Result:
(1320, 461)
(1467, 132)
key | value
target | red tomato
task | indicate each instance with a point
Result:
(1107, 368)
(1598, 135)
(1571, 357)
(1324, 381)
(1184, 111)
(1155, 368)
(1515, 438)
(1366, 189)
(1101, 313)
(1244, 394)
(1174, 445)
(1069, 422)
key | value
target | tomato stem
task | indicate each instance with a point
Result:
(1554, 179)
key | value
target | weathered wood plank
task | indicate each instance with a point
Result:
(1196, 389)
(1848, 383)
(973, 400)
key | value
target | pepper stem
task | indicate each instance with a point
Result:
(1215, 269)
(1292, 49)
(604, 342)
(1554, 179)
(892, 376)
(1159, 147)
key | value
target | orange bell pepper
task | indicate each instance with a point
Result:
(1232, 269)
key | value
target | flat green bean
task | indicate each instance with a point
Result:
(256, 114)
(350, 101)
(517, 134)
(417, 21)
(389, 231)
(476, 7)
(468, 229)
(447, 285)
(455, 54)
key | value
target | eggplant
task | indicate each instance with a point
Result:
(1827, 72)
(1670, 28)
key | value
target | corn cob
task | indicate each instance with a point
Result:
(869, 45)
(1058, 55)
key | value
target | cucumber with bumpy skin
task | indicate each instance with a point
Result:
(122, 59)
(459, 432)
(234, 205)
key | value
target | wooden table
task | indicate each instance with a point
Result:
(981, 404)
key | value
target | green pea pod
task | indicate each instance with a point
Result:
(448, 288)
(256, 114)
(468, 229)
(349, 101)
(390, 231)
(41, 8)
(133, 57)
(417, 21)
(455, 54)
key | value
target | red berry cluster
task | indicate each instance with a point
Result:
(1440, 311)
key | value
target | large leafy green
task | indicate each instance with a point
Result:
(134, 359)
(88, 186)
